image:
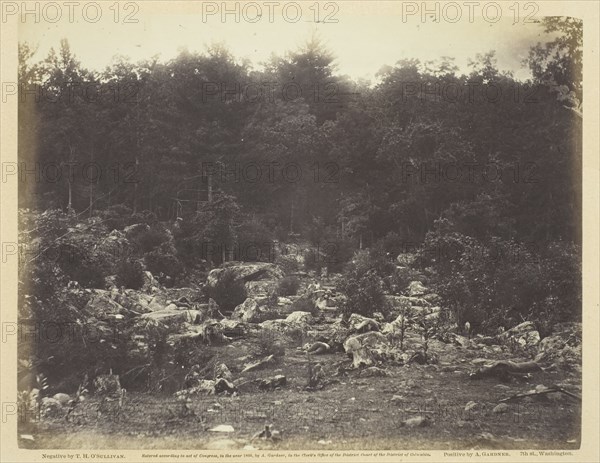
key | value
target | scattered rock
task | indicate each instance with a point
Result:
(524, 334)
(172, 315)
(417, 422)
(501, 408)
(271, 383)
(222, 385)
(222, 428)
(372, 372)
(263, 363)
(221, 371)
(233, 328)
(471, 406)
(299, 317)
(62, 398)
(102, 307)
(366, 349)
(249, 311)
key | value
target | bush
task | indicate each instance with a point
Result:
(148, 240)
(336, 253)
(288, 263)
(254, 242)
(502, 283)
(130, 274)
(229, 292)
(163, 260)
(81, 264)
(117, 217)
(288, 286)
(364, 289)
(268, 344)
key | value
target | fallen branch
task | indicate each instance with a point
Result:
(545, 391)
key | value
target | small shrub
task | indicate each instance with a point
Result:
(117, 217)
(288, 263)
(80, 264)
(288, 286)
(269, 345)
(336, 254)
(148, 240)
(130, 274)
(312, 260)
(229, 292)
(364, 290)
(163, 260)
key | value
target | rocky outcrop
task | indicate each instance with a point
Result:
(562, 347)
(367, 349)
(245, 271)
(249, 311)
(524, 334)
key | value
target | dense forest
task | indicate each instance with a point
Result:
(476, 176)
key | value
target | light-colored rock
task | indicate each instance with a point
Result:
(416, 288)
(471, 406)
(524, 334)
(102, 306)
(172, 315)
(366, 349)
(221, 371)
(417, 422)
(222, 428)
(273, 382)
(245, 271)
(259, 365)
(501, 408)
(299, 317)
(248, 311)
(233, 328)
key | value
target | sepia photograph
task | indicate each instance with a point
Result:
(243, 229)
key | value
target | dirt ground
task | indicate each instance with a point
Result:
(351, 412)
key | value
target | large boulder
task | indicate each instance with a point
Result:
(244, 271)
(131, 231)
(367, 349)
(234, 328)
(172, 315)
(300, 317)
(249, 311)
(525, 334)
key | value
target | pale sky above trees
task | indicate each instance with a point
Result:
(363, 41)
